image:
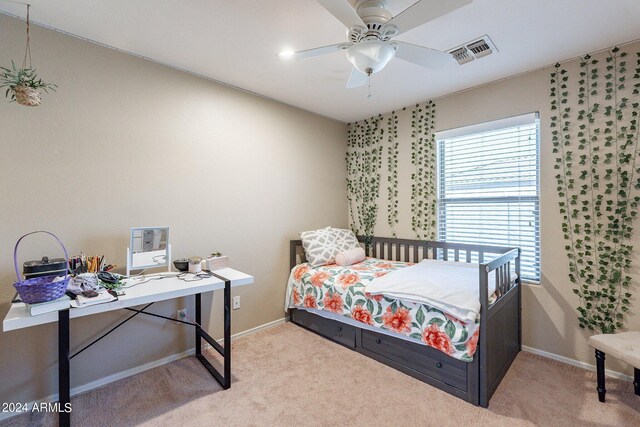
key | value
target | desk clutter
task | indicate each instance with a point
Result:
(53, 284)
(89, 264)
(195, 264)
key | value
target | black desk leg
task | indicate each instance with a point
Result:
(198, 328)
(227, 334)
(64, 384)
(600, 374)
(223, 378)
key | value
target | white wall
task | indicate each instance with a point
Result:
(126, 142)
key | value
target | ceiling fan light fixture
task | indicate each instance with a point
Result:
(371, 56)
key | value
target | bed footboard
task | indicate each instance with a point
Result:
(500, 324)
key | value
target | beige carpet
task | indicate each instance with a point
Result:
(287, 376)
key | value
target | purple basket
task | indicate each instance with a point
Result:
(39, 289)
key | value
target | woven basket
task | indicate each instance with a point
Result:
(27, 96)
(39, 289)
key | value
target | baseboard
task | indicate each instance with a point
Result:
(258, 328)
(579, 364)
(139, 369)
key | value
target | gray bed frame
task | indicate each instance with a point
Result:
(500, 322)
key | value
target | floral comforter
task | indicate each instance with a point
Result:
(341, 290)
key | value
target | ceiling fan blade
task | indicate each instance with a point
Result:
(310, 53)
(420, 55)
(424, 11)
(343, 11)
(356, 79)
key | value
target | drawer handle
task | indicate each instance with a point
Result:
(378, 340)
(339, 328)
(439, 365)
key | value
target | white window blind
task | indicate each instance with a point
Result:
(488, 187)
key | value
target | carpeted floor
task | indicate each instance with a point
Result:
(287, 376)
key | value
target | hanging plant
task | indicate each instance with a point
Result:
(392, 169)
(23, 84)
(597, 181)
(423, 159)
(364, 161)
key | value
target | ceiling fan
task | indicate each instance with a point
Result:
(370, 29)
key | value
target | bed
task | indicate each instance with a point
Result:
(462, 356)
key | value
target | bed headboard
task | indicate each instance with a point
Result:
(409, 250)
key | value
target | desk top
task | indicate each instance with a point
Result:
(168, 287)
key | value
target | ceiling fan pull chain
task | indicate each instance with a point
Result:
(27, 50)
(369, 96)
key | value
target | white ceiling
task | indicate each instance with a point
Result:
(236, 42)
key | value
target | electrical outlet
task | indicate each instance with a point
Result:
(182, 314)
(236, 302)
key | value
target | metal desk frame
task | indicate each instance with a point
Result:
(64, 356)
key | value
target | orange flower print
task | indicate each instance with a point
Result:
(400, 321)
(310, 301)
(377, 297)
(300, 271)
(361, 314)
(472, 344)
(333, 302)
(359, 267)
(296, 296)
(348, 279)
(381, 273)
(383, 265)
(318, 278)
(434, 337)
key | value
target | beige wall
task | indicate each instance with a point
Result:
(126, 142)
(549, 309)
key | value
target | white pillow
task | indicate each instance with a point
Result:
(321, 246)
(350, 257)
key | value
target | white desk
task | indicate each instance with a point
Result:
(147, 293)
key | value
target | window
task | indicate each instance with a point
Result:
(488, 187)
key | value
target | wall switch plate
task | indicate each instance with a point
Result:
(236, 302)
(182, 314)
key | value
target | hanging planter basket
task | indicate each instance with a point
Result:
(22, 83)
(27, 96)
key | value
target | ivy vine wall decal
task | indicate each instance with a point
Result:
(373, 143)
(596, 147)
(392, 169)
(364, 160)
(423, 178)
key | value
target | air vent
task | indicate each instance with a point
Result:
(480, 48)
(475, 49)
(461, 55)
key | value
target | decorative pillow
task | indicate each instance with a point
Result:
(317, 248)
(350, 257)
(321, 246)
(344, 239)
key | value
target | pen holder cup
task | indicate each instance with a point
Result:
(40, 289)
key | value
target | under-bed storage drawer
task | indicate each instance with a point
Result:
(334, 330)
(423, 359)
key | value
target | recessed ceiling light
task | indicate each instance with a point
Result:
(286, 55)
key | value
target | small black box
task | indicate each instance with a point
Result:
(44, 267)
